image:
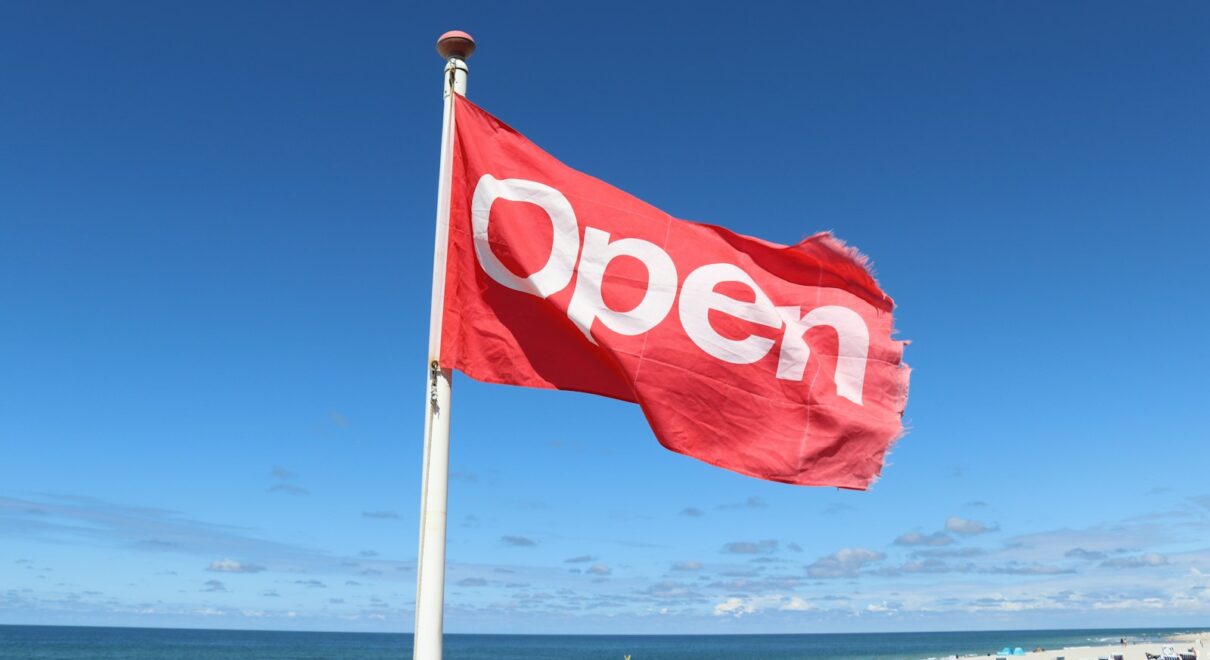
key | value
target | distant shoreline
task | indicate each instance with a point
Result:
(1195, 642)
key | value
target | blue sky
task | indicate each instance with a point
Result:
(215, 243)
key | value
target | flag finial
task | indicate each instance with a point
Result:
(455, 43)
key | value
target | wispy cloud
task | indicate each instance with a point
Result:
(691, 512)
(936, 566)
(284, 476)
(232, 566)
(1112, 540)
(582, 559)
(750, 503)
(935, 539)
(518, 541)
(464, 476)
(671, 589)
(844, 563)
(1035, 568)
(289, 489)
(686, 566)
(767, 546)
(949, 552)
(86, 519)
(213, 586)
(380, 515)
(929, 565)
(967, 526)
(1150, 559)
(1081, 553)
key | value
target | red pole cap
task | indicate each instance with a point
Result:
(455, 43)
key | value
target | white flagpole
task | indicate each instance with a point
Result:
(455, 47)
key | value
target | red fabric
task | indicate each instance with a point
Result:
(760, 418)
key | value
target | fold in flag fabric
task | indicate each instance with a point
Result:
(773, 361)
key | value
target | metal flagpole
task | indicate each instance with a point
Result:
(455, 47)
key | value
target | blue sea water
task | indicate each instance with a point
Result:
(72, 643)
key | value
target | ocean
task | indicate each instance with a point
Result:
(79, 643)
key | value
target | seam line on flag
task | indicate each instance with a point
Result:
(647, 335)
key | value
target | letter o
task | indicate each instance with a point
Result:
(556, 274)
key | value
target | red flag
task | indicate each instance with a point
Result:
(773, 361)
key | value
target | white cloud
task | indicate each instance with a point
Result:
(739, 606)
(796, 604)
(968, 526)
(733, 606)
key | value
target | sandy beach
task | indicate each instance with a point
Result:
(1198, 642)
